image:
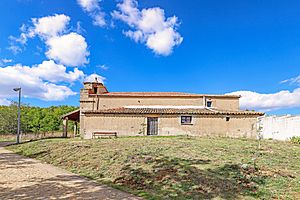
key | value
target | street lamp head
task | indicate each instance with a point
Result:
(17, 89)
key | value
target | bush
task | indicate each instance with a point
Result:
(295, 139)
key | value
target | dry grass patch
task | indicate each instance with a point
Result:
(179, 167)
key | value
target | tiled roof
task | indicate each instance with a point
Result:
(161, 94)
(202, 111)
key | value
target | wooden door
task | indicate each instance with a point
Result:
(152, 125)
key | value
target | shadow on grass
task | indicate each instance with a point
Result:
(176, 178)
(53, 184)
(61, 187)
(3, 144)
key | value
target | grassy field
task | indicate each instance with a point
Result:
(179, 167)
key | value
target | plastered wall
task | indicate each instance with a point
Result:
(129, 125)
(280, 127)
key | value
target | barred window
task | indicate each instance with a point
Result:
(186, 119)
(227, 118)
(209, 104)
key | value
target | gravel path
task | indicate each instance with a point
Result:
(25, 178)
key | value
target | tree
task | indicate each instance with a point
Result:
(33, 119)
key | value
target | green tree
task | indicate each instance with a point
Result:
(33, 119)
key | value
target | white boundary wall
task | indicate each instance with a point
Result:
(279, 127)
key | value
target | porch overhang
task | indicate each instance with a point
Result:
(73, 116)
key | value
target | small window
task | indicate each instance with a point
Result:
(95, 90)
(227, 119)
(186, 119)
(209, 104)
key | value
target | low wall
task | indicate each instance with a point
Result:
(279, 127)
(31, 136)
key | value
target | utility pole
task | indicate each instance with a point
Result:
(19, 114)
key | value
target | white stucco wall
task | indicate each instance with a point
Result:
(280, 127)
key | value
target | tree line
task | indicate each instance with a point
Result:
(33, 119)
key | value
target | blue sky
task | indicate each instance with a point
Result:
(247, 47)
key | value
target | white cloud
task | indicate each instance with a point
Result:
(44, 27)
(69, 49)
(294, 80)
(4, 102)
(149, 26)
(89, 5)
(267, 102)
(56, 92)
(92, 7)
(14, 48)
(66, 48)
(92, 78)
(50, 71)
(99, 19)
(5, 60)
(44, 81)
(162, 42)
(49, 26)
(104, 67)
(49, 80)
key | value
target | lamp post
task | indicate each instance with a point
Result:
(19, 113)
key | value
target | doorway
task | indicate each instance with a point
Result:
(152, 125)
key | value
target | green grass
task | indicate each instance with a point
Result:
(179, 167)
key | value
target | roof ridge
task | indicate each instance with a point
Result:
(165, 94)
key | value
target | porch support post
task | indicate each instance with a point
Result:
(75, 128)
(65, 127)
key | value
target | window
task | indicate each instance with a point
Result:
(209, 103)
(227, 119)
(186, 119)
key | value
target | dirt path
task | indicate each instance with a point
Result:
(24, 178)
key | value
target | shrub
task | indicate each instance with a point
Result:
(295, 139)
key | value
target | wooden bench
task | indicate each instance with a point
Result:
(97, 134)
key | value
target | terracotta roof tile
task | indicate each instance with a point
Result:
(202, 111)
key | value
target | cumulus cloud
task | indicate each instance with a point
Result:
(49, 80)
(44, 27)
(56, 92)
(92, 7)
(50, 71)
(49, 26)
(39, 81)
(149, 26)
(93, 77)
(69, 49)
(267, 102)
(65, 48)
